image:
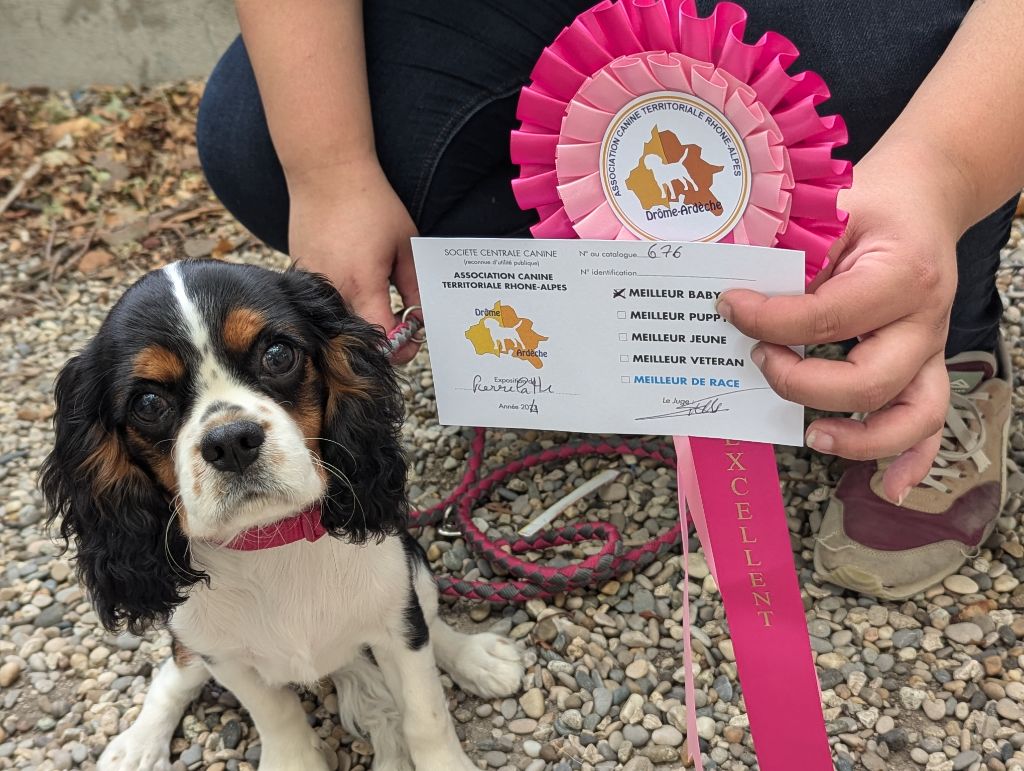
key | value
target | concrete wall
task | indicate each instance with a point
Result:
(71, 43)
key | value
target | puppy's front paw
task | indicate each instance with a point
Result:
(449, 761)
(134, 750)
(305, 756)
(391, 764)
(489, 665)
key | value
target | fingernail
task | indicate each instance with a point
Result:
(723, 309)
(757, 356)
(902, 496)
(820, 441)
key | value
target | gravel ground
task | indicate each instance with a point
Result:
(936, 682)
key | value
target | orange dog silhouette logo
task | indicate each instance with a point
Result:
(673, 168)
(503, 332)
(670, 171)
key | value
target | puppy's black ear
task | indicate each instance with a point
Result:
(132, 555)
(362, 415)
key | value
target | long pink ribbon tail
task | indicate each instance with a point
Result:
(731, 490)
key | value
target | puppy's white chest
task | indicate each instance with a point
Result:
(300, 664)
(296, 613)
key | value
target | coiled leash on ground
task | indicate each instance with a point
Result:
(530, 580)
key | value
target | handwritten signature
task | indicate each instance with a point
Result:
(521, 385)
(708, 405)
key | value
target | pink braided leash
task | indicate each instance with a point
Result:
(529, 579)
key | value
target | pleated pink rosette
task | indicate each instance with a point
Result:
(619, 51)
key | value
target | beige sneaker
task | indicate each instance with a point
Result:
(875, 547)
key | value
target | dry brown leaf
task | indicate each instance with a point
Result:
(110, 273)
(76, 127)
(105, 161)
(136, 121)
(194, 213)
(94, 260)
(55, 159)
(199, 247)
(976, 609)
(118, 216)
(223, 247)
(189, 160)
(133, 231)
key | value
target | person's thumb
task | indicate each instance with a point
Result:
(404, 275)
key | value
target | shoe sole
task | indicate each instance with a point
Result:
(865, 583)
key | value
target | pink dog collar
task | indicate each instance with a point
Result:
(303, 526)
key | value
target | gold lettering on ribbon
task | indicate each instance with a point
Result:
(739, 485)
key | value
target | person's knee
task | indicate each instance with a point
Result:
(236, 151)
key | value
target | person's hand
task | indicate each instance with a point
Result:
(354, 229)
(891, 285)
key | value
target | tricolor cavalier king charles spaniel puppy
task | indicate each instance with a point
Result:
(224, 418)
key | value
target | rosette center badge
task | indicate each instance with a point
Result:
(674, 168)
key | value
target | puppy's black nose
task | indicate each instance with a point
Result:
(232, 446)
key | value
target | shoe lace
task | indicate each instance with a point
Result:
(963, 437)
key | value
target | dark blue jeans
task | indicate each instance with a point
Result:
(444, 77)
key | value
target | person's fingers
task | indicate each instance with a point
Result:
(404, 278)
(835, 255)
(910, 468)
(875, 372)
(375, 307)
(406, 353)
(846, 306)
(914, 417)
(370, 301)
(404, 275)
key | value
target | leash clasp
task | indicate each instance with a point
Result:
(419, 335)
(448, 528)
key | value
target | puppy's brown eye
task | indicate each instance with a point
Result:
(150, 409)
(279, 359)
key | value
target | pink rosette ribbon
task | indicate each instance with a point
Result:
(618, 51)
(614, 63)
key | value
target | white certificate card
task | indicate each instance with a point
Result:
(601, 336)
